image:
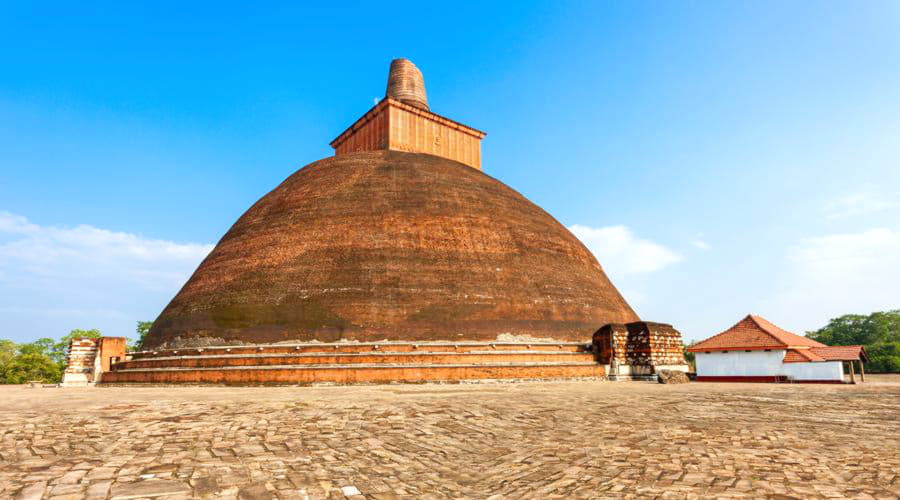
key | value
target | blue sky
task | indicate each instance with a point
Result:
(719, 158)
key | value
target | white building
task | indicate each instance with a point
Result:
(755, 350)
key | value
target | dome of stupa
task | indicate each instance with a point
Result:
(400, 236)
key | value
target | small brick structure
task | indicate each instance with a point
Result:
(80, 361)
(89, 358)
(637, 350)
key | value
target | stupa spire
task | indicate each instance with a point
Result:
(406, 84)
(402, 122)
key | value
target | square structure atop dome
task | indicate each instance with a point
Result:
(402, 122)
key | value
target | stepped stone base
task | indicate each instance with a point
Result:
(357, 363)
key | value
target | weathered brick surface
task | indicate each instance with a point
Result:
(390, 245)
(358, 363)
(80, 360)
(88, 358)
(111, 349)
(535, 440)
(640, 343)
(406, 84)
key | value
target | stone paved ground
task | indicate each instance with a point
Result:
(526, 440)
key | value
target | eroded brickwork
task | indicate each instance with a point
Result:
(80, 361)
(641, 343)
(654, 344)
(88, 358)
(610, 343)
(392, 246)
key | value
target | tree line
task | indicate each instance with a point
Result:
(879, 332)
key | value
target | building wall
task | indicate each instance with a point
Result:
(394, 125)
(413, 131)
(763, 364)
(370, 136)
(826, 370)
(739, 363)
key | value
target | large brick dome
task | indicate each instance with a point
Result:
(388, 245)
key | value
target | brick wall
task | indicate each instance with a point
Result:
(111, 349)
(610, 343)
(394, 125)
(641, 343)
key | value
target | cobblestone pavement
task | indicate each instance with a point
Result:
(525, 440)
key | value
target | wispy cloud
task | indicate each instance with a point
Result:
(700, 243)
(94, 314)
(87, 253)
(620, 252)
(831, 275)
(866, 200)
(56, 278)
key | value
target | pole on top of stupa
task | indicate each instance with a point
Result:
(406, 84)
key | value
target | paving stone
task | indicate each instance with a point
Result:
(255, 491)
(32, 491)
(98, 490)
(523, 440)
(152, 488)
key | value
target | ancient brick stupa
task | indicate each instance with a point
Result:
(398, 243)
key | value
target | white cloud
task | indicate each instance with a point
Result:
(53, 279)
(16, 224)
(87, 252)
(702, 245)
(620, 252)
(866, 200)
(67, 313)
(828, 276)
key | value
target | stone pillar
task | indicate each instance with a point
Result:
(80, 362)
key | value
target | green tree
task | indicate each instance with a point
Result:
(30, 366)
(43, 346)
(688, 356)
(8, 351)
(879, 332)
(143, 328)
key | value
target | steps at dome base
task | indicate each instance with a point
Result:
(348, 347)
(391, 358)
(356, 363)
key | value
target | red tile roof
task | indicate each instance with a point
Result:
(828, 353)
(802, 356)
(841, 353)
(754, 333)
